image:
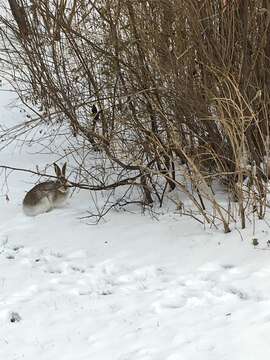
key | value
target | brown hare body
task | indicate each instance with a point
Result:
(47, 195)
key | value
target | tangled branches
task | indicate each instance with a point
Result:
(172, 93)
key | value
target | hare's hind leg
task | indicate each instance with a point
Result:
(44, 205)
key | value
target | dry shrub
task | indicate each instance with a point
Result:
(181, 88)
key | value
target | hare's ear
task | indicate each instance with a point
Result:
(57, 170)
(64, 167)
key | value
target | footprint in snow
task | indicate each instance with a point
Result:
(228, 266)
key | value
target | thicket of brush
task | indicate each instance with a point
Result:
(171, 93)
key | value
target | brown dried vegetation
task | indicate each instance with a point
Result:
(181, 88)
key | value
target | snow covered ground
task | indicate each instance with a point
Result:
(130, 288)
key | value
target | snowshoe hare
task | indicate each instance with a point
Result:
(47, 195)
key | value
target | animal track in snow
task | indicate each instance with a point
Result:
(210, 285)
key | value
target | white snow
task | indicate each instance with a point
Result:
(130, 288)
